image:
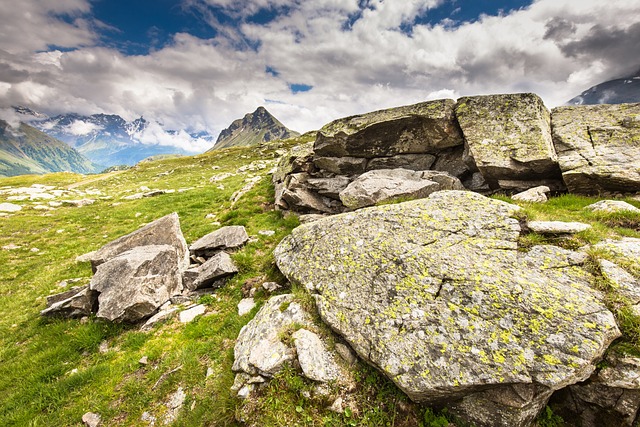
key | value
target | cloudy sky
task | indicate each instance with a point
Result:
(199, 64)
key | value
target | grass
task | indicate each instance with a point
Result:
(53, 371)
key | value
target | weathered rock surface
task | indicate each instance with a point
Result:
(533, 195)
(316, 362)
(330, 187)
(598, 147)
(612, 206)
(610, 398)
(627, 248)
(135, 283)
(416, 162)
(163, 231)
(508, 136)
(10, 207)
(215, 268)
(245, 306)
(421, 128)
(189, 315)
(436, 295)
(76, 302)
(388, 184)
(557, 227)
(341, 165)
(230, 237)
(259, 349)
(623, 282)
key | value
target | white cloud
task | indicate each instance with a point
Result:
(80, 128)
(154, 134)
(356, 60)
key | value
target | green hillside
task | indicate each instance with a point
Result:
(29, 151)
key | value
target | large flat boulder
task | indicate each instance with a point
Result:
(598, 147)
(437, 296)
(427, 127)
(134, 284)
(509, 137)
(163, 231)
(229, 237)
(383, 185)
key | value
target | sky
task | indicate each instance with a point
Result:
(197, 65)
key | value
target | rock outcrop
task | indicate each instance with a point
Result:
(76, 302)
(230, 237)
(435, 294)
(598, 147)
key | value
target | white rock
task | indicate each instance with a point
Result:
(190, 314)
(610, 206)
(557, 227)
(91, 419)
(144, 360)
(9, 207)
(245, 306)
(11, 247)
(271, 286)
(534, 195)
(266, 232)
(316, 362)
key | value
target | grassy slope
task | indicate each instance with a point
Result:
(37, 152)
(38, 384)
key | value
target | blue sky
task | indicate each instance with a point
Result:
(199, 64)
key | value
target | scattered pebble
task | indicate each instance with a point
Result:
(11, 247)
(91, 419)
(245, 306)
(266, 232)
(34, 250)
(144, 360)
(188, 315)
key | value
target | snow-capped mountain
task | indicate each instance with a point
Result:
(110, 140)
(617, 91)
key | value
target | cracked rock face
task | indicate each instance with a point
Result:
(436, 295)
(598, 147)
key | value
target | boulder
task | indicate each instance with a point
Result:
(245, 306)
(612, 206)
(259, 349)
(610, 398)
(453, 162)
(297, 159)
(627, 248)
(388, 184)
(303, 200)
(329, 187)
(135, 283)
(163, 231)
(189, 315)
(341, 165)
(533, 195)
(557, 227)
(77, 302)
(316, 362)
(598, 147)
(427, 127)
(624, 284)
(415, 162)
(508, 136)
(437, 296)
(230, 237)
(217, 267)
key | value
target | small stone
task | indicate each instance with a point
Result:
(245, 306)
(346, 353)
(34, 250)
(85, 257)
(190, 314)
(533, 195)
(266, 232)
(271, 286)
(134, 196)
(144, 360)
(245, 391)
(336, 406)
(104, 347)
(611, 206)
(91, 419)
(150, 419)
(209, 372)
(210, 216)
(557, 227)
(138, 214)
(9, 207)
(11, 247)
(316, 362)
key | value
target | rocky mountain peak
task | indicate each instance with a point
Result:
(253, 128)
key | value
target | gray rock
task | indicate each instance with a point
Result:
(316, 362)
(10, 207)
(508, 136)
(596, 151)
(86, 257)
(245, 306)
(416, 162)
(163, 231)
(330, 187)
(388, 184)
(165, 313)
(453, 162)
(78, 203)
(612, 206)
(623, 283)
(215, 268)
(345, 352)
(297, 159)
(174, 405)
(135, 283)
(74, 303)
(91, 419)
(428, 127)
(437, 296)
(271, 287)
(512, 185)
(533, 195)
(230, 237)
(341, 165)
(557, 227)
(259, 349)
(627, 248)
(189, 315)
(303, 200)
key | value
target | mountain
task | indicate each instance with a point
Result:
(26, 150)
(108, 139)
(617, 91)
(253, 128)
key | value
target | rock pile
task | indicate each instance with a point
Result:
(139, 273)
(497, 142)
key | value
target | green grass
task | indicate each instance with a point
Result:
(53, 371)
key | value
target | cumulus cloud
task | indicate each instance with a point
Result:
(81, 128)
(154, 134)
(356, 55)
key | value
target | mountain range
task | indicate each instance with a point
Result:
(253, 128)
(617, 91)
(106, 139)
(27, 150)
